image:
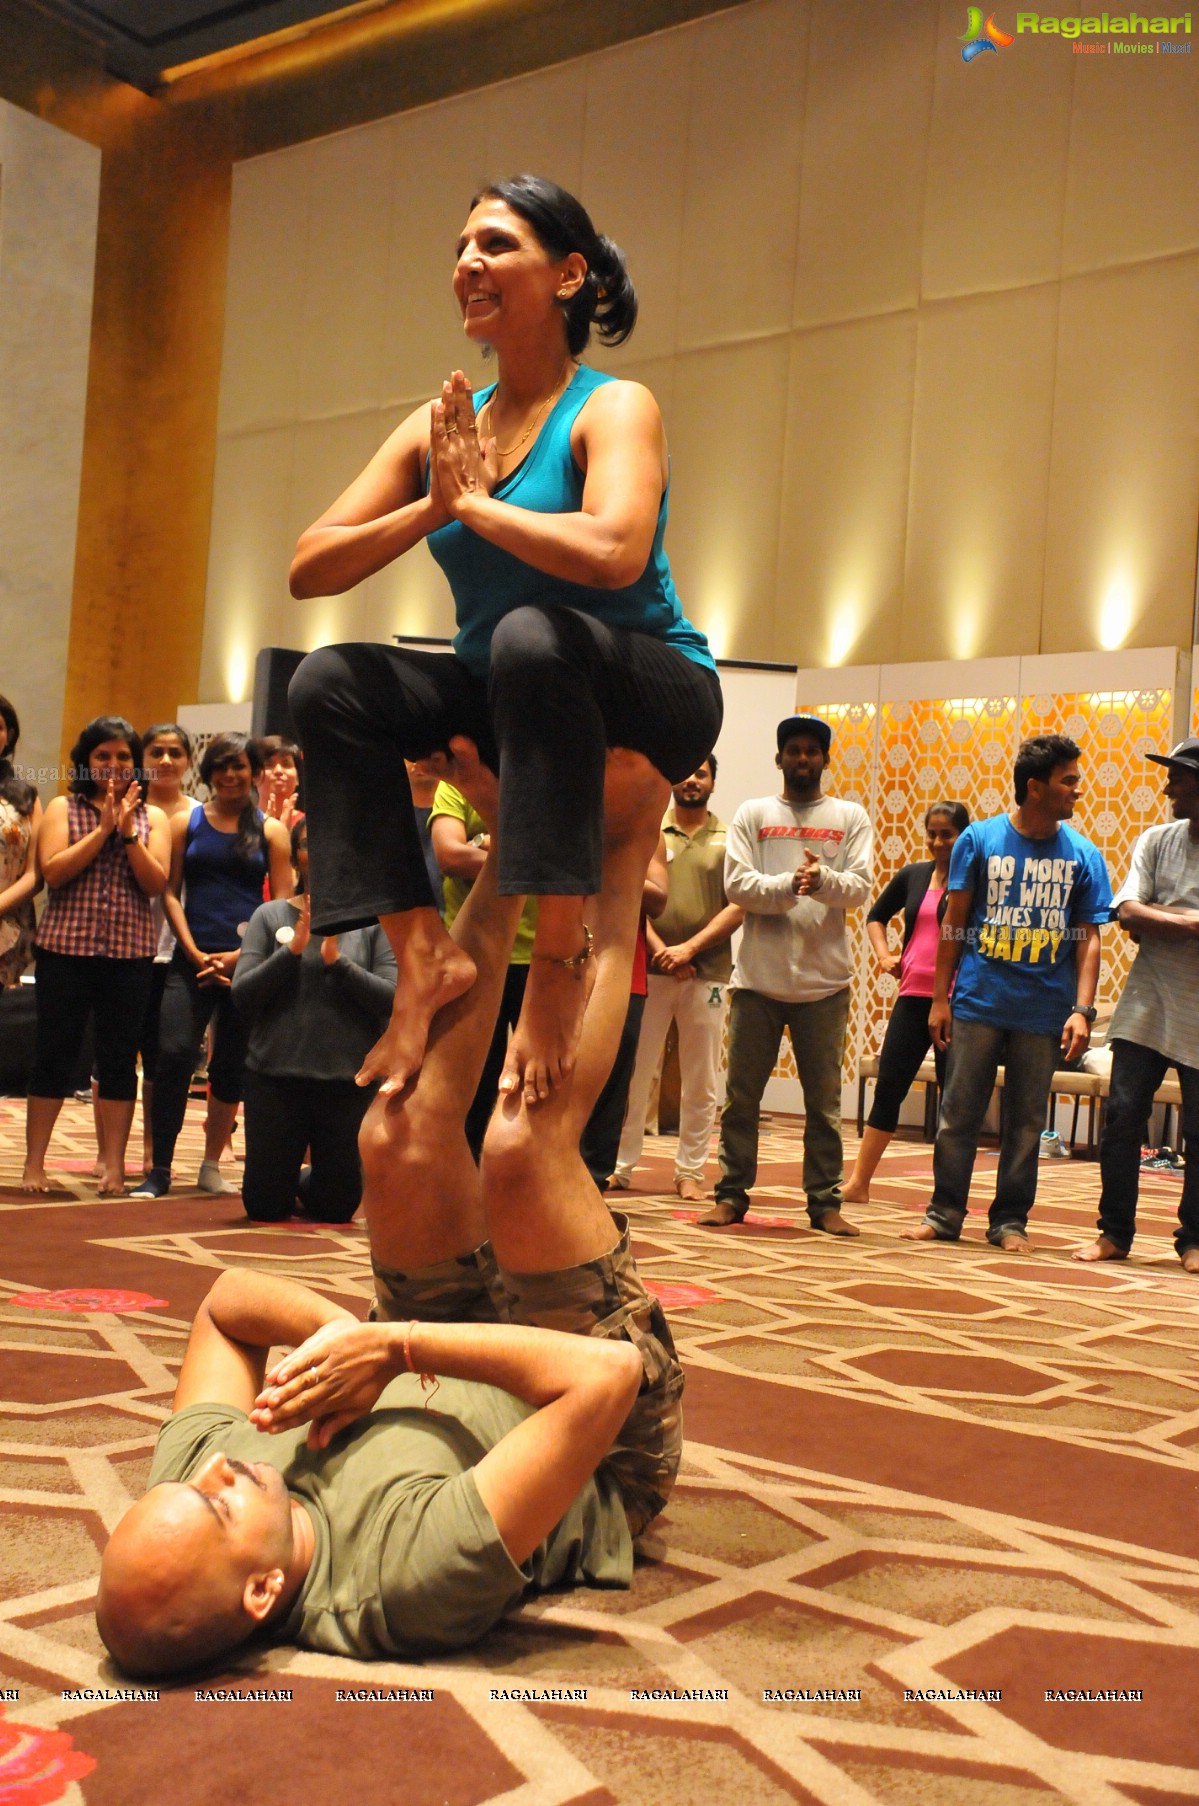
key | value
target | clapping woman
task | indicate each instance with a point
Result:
(543, 498)
(20, 880)
(104, 854)
(919, 891)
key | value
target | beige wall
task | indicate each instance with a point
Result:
(924, 333)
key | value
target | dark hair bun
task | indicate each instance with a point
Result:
(615, 298)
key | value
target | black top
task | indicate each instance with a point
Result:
(907, 891)
(306, 1019)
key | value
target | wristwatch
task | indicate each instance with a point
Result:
(1085, 1009)
(128, 839)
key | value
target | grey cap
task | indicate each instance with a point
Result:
(1186, 754)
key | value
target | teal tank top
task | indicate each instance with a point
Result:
(487, 582)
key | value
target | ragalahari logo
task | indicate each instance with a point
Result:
(981, 34)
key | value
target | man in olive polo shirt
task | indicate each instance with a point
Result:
(690, 967)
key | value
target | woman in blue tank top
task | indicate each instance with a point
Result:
(544, 500)
(220, 856)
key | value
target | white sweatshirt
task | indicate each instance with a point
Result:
(795, 949)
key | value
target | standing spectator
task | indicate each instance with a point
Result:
(223, 853)
(278, 780)
(1026, 897)
(690, 966)
(20, 879)
(166, 760)
(312, 1010)
(920, 892)
(792, 969)
(460, 843)
(104, 854)
(1156, 1022)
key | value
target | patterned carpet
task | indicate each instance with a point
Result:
(913, 1474)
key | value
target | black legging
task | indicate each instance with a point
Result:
(905, 1044)
(283, 1117)
(69, 989)
(563, 687)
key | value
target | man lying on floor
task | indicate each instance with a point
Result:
(406, 1519)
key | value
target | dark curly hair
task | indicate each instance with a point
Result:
(97, 731)
(13, 789)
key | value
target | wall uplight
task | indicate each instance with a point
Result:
(844, 630)
(237, 672)
(1115, 614)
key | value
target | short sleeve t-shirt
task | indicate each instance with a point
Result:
(407, 1559)
(1031, 898)
(1159, 1005)
(449, 801)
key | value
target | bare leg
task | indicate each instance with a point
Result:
(421, 1192)
(543, 1210)
(542, 1052)
(41, 1114)
(101, 1166)
(116, 1119)
(1103, 1248)
(218, 1127)
(856, 1189)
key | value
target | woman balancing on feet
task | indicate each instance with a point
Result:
(543, 498)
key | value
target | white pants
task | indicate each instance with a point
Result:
(698, 1006)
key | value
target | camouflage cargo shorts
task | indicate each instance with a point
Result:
(603, 1297)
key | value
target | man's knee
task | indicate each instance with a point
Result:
(393, 1142)
(510, 1148)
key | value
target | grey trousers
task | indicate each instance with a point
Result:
(975, 1052)
(756, 1025)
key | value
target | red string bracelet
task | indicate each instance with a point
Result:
(426, 1379)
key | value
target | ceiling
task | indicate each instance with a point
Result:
(141, 38)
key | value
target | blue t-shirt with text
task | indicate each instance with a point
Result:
(1031, 898)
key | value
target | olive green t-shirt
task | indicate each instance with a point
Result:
(407, 1559)
(451, 802)
(695, 892)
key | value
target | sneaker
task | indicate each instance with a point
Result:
(210, 1180)
(1052, 1146)
(156, 1184)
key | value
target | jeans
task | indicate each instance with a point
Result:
(975, 1052)
(1137, 1072)
(187, 1009)
(756, 1025)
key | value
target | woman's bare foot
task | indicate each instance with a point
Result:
(433, 970)
(1102, 1249)
(34, 1179)
(855, 1192)
(920, 1232)
(541, 1053)
(112, 1184)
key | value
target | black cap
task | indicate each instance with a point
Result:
(806, 724)
(1186, 754)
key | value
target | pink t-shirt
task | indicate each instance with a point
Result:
(919, 964)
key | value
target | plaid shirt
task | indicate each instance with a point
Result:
(103, 913)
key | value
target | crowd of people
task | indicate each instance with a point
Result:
(478, 1047)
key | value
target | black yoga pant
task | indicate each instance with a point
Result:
(905, 1044)
(285, 1116)
(562, 688)
(69, 989)
(187, 1009)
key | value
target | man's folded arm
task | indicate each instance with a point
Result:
(242, 1318)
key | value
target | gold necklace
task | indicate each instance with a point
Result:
(507, 451)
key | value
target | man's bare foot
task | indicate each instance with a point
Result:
(34, 1179)
(433, 970)
(1012, 1242)
(852, 1193)
(831, 1222)
(541, 1053)
(920, 1232)
(1190, 1260)
(721, 1216)
(690, 1190)
(1102, 1249)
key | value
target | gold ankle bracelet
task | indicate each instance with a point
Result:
(577, 961)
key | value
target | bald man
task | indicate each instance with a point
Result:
(341, 1499)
